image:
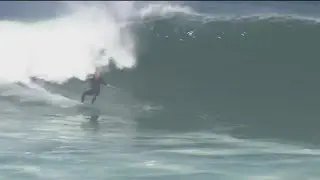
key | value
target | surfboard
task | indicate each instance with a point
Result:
(85, 103)
(88, 108)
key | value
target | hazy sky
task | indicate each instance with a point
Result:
(22, 10)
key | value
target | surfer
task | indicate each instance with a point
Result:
(94, 90)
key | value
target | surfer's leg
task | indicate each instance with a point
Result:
(88, 92)
(96, 93)
(93, 99)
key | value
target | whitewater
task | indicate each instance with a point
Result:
(203, 90)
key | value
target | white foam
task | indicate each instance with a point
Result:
(64, 47)
(67, 46)
(165, 9)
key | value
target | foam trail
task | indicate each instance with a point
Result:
(64, 47)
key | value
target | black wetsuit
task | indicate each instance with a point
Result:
(95, 88)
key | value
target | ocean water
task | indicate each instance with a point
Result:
(203, 90)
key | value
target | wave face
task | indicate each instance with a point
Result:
(258, 71)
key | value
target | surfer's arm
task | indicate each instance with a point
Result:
(103, 82)
(89, 77)
(106, 84)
